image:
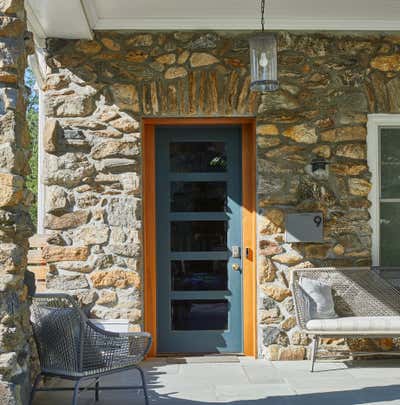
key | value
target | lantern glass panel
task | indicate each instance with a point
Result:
(263, 63)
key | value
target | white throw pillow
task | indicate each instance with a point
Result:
(319, 294)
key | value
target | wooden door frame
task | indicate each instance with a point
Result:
(248, 222)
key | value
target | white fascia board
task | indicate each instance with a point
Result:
(245, 24)
(60, 18)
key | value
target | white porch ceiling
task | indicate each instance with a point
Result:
(78, 18)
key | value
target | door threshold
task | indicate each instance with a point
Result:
(196, 358)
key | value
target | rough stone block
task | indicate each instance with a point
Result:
(344, 134)
(107, 298)
(115, 278)
(125, 124)
(393, 89)
(269, 248)
(12, 258)
(175, 72)
(12, 187)
(65, 253)
(115, 148)
(51, 133)
(386, 63)
(67, 221)
(292, 353)
(11, 6)
(11, 26)
(126, 97)
(57, 200)
(267, 129)
(76, 266)
(66, 283)
(92, 234)
(270, 316)
(199, 59)
(267, 270)
(359, 187)
(68, 170)
(8, 99)
(70, 105)
(276, 292)
(302, 134)
(122, 212)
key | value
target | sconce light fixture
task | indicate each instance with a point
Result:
(318, 164)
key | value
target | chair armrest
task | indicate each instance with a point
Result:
(112, 350)
(116, 334)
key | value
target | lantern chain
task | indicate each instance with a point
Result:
(262, 14)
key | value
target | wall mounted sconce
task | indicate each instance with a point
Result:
(319, 164)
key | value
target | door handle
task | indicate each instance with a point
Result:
(236, 266)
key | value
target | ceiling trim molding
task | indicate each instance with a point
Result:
(244, 24)
(33, 22)
(90, 12)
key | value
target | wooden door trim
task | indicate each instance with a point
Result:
(248, 222)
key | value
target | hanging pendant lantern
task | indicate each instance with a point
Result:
(263, 59)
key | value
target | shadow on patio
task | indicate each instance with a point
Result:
(252, 382)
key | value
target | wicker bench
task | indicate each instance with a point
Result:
(367, 306)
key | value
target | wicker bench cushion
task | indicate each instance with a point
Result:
(356, 324)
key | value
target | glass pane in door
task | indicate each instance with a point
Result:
(198, 157)
(206, 196)
(198, 236)
(199, 314)
(199, 275)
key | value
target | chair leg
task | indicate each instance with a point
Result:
(144, 385)
(314, 351)
(35, 384)
(96, 391)
(76, 393)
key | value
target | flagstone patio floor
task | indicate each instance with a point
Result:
(246, 381)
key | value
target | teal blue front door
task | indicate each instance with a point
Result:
(199, 239)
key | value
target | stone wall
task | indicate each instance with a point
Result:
(96, 94)
(15, 223)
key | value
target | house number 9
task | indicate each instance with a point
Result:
(317, 220)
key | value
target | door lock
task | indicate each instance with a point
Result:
(236, 252)
(236, 266)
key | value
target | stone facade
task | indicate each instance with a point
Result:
(96, 94)
(15, 223)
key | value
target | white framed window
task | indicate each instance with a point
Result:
(383, 145)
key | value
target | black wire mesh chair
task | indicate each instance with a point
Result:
(73, 348)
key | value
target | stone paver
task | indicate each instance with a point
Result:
(252, 382)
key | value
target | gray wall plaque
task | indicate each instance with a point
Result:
(305, 227)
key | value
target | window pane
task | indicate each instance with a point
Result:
(197, 156)
(198, 196)
(390, 162)
(199, 314)
(198, 275)
(389, 235)
(198, 236)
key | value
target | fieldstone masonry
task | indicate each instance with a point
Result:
(15, 223)
(98, 91)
